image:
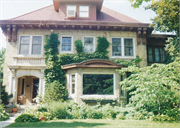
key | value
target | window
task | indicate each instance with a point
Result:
(102, 84)
(116, 46)
(122, 91)
(123, 47)
(66, 45)
(83, 11)
(72, 87)
(156, 54)
(30, 45)
(71, 11)
(89, 44)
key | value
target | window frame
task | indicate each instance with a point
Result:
(67, 9)
(83, 11)
(93, 43)
(70, 87)
(153, 53)
(125, 94)
(30, 45)
(122, 48)
(71, 44)
(96, 95)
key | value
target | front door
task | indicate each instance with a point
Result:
(35, 88)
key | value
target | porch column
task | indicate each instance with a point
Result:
(12, 87)
(41, 84)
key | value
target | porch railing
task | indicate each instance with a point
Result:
(29, 60)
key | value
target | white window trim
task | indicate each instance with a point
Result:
(71, 44)
(114, 96)
(30, 45)
(122, 48)
(83, 11)
(73, 95)
(93, 43)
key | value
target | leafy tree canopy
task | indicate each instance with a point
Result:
(167, 11)
(156, 86)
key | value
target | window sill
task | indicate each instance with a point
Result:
(70, 52)
(27, 56)
(95, 97)
(123, 57)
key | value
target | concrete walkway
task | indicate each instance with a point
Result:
(7, 122)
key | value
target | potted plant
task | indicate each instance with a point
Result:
(15, 108)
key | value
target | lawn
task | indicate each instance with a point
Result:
(99, 123)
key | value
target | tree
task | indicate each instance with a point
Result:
(167, 20)
(156, 87)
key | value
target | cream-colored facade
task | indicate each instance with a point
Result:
(18, 66)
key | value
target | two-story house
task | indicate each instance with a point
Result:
(75, 19)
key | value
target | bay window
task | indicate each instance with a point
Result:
(30, 45)
(72, 86)
(123, 47)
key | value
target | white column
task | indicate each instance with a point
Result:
(13, 84)
(41, 84)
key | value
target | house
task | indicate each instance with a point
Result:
(73, 20)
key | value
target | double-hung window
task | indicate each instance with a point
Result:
(123, 47)
(71, 11)
(72, 86)
(88, 44)
(83, 11)
(66, 44)
(30, 45)
(122, 91)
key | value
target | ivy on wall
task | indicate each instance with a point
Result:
(54, 60)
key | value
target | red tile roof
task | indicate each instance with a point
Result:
(48, 13)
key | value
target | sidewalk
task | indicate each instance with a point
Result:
(7, 122)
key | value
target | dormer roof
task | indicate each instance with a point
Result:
(97, 2)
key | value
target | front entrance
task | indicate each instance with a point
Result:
(27, 89)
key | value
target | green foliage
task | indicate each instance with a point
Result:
(26, 118)
(102, 45)
(55, 91)
(172, 49)
(54, 71)
(3, 115)
(58, 110)
(156, 86)
(79, 46)
(4, 94)
(129, 63)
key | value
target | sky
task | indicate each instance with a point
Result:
(13, 8)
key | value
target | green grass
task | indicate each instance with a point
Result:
(99, 123)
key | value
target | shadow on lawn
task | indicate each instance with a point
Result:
(57, 124)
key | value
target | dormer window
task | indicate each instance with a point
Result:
(71, 11)
(83, 11)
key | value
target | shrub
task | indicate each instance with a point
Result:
(120, 117)
(26, 118)
(79, 46)
(59, 110)
(3, 114)
(4, 94)
(55, 92)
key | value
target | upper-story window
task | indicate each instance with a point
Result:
(71, 11)
(83, 11)
(156, 54)
(88, 44)
(30, 45)
(123, 47)
(66, 44)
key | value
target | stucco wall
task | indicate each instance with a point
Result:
(12, 47)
